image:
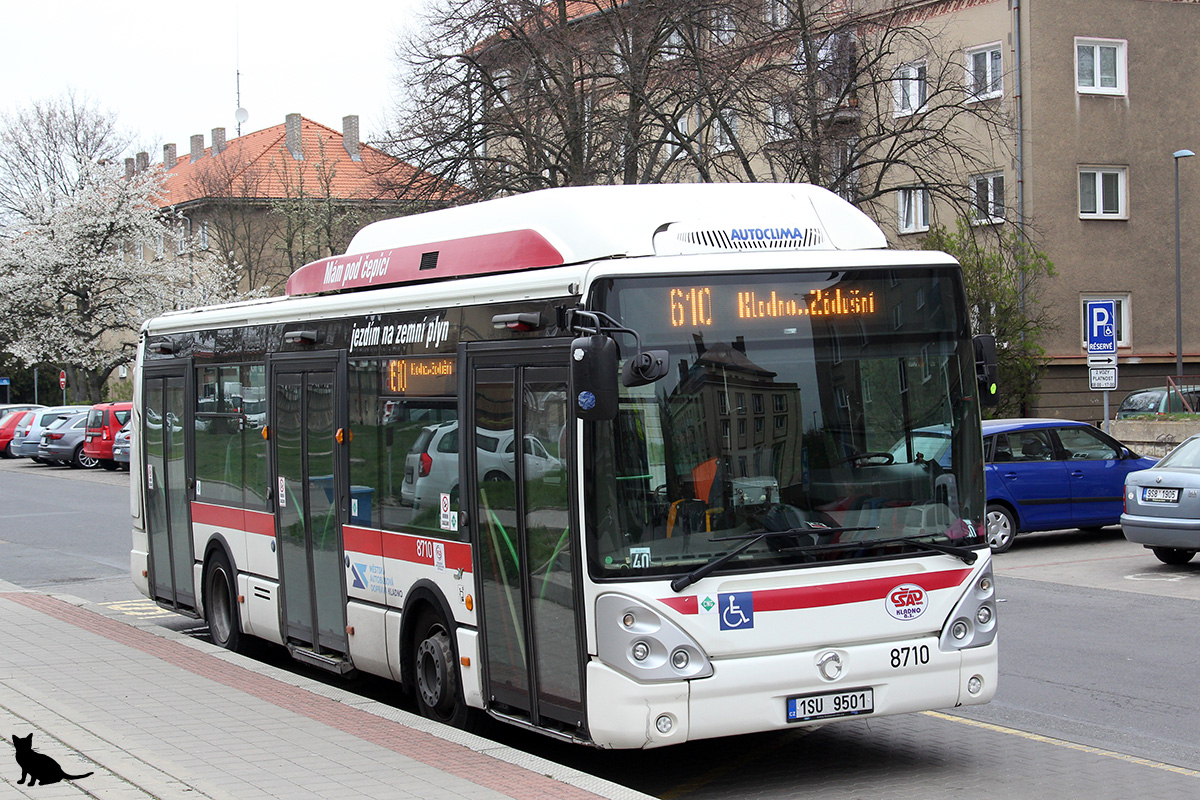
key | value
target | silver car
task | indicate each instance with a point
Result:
(1162, 505)
(62, 442)
(121, 446)
(26, 440)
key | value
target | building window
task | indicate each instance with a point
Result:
(725, 130)
(1122, 304)
(1102, 193)
(679, 137)
(675, 45)
(987, 198)
(914, 210)
(1100, 66)
(203, 235)
(781, 122)
(777, 13)
(984, 72)
(723, 29)
(910, 88)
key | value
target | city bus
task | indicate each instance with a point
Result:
(628, 465)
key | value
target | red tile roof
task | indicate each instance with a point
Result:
(259, 166)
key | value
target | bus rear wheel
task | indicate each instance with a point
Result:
(220, 604)
(435, 674)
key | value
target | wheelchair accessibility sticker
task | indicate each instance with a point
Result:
(736, 610)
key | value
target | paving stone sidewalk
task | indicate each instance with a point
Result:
(154, 713)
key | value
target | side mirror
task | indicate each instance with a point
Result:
(645, 368)
(594, 377)
(986, 369)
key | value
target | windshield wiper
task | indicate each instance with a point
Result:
(702, 571)
(967, 555)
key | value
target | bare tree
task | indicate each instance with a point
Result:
(513, 96)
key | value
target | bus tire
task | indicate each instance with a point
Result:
(1001, 527)
(435, 672)
(220, 603)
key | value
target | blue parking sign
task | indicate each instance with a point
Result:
(1100, 317)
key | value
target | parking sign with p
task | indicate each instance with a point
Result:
(1101, 319)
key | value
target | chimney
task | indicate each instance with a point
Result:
(197, 148)
(129, 168)
(350, 136)
(293, 136)
(143, 161)
(218, 141)
(169, 157)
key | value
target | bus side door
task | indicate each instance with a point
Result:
(515, 456)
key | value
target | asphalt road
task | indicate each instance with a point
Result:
(1097, 694)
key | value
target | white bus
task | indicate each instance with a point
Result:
(630, 465)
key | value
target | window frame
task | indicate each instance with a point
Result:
(993, 78)
(916, 200)
(911, 88)
(991, 217)
(1122, 175)
(1121, 65)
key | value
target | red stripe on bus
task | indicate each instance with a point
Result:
(404, 547)
(239, 519)
(831, 594)
(471, 255)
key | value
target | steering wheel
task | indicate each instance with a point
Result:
(870, 459)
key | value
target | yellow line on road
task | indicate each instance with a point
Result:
(1083, 748)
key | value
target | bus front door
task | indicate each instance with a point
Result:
(306, 416)
(165, 487)
(515, 456)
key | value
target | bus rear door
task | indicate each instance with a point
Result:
(515, 458)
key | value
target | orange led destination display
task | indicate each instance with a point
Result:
(419, 377)
(693, 306)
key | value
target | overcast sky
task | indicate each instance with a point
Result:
(169, 70)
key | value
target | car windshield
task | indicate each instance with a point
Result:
(794, 402)
(1142, 402)
(1185, 456)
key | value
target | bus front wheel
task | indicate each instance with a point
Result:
(435, 673)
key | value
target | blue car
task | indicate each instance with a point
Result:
(1047, 474)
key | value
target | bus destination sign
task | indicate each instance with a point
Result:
(419, 377)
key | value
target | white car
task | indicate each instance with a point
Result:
(431, 466)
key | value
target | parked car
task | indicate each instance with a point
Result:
(9, 408)
(431, 466)
(1162, 505)
(8, 426)
(104, 420)
(62, 442)
(25, 441)
(1160, 400)
(120, 448)
(1047, 474)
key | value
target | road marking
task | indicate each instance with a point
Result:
(143, 609)
(1083, 748)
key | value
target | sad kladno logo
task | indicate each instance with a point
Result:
(907, 601)
(39, 768)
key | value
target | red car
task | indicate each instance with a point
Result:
(8, 427)
(103, 422)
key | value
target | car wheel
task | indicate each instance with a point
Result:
(435, 673)
(81, 460)
(1172, 556)
(108, 464)
(8, 453)
(220, 604)
(1001, 528)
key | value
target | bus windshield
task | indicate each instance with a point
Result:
(828, 415)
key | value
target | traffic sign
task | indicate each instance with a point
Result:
(62, 379)
(1102, 361)
(1100, 317)
(1101, 379)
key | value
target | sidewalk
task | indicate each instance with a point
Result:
(154, 713)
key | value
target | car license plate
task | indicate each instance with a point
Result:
(831, 704)
(1157, 494)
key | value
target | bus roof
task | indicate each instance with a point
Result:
(572, 225)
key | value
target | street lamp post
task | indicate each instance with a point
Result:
(1178, 272)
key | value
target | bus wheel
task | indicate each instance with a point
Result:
(436, 674)
(220, 603)
(1001, 528)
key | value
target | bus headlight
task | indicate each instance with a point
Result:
(973, 621)
(636, 640)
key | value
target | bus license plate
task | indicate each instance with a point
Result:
(1156, 494)
(832, 704)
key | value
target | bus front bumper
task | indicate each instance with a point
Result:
(749, 695)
